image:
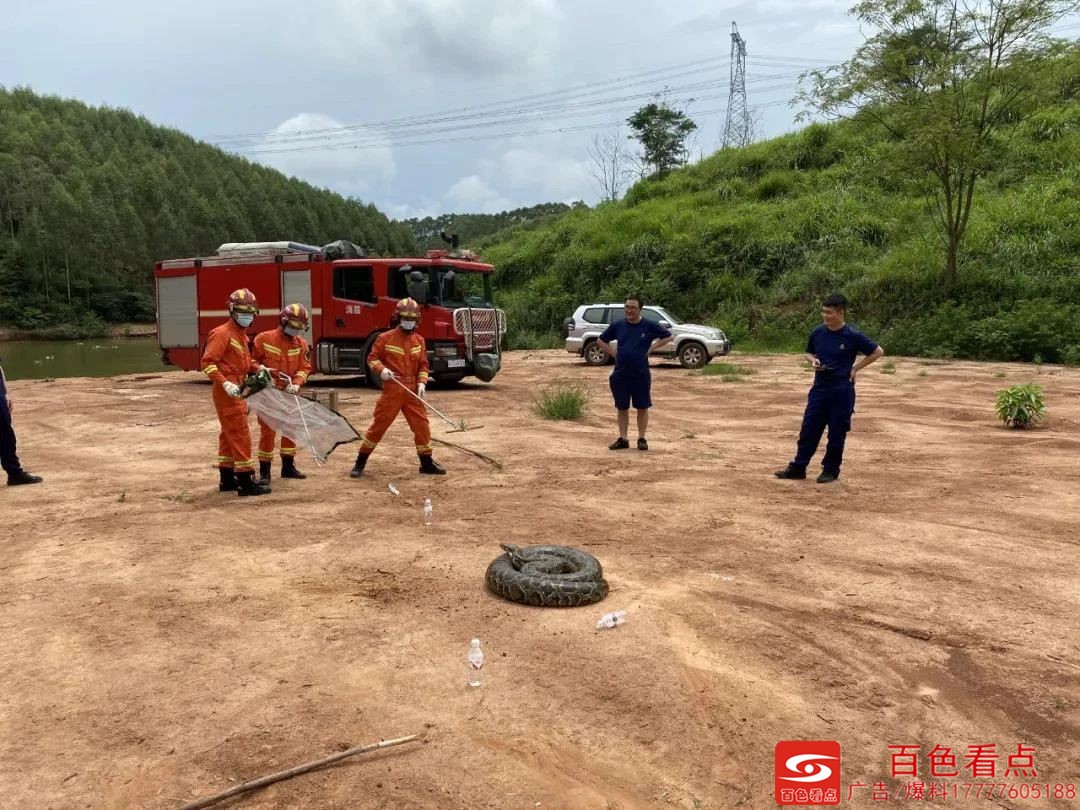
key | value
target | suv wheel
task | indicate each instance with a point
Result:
(693, 355)
(595, 355)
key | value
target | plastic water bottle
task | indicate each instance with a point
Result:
(427, 511)
(476, 664)
(611, 619)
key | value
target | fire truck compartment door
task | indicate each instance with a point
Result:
(296, 289)
(178, 312)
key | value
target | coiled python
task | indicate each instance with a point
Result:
(551, 576)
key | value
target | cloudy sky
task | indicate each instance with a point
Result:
(421, 106)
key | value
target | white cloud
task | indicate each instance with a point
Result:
(446, 36)
(476, 196)
(347, 170)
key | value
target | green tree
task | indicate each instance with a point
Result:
(662, 132)
(943, 78)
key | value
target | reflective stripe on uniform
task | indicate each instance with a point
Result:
(395, 349)
(210, 370)
(271, 349)
(236, 344)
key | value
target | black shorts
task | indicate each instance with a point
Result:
(629, 386)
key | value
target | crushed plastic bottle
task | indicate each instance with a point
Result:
(476, 664)
(427, 511)
(611, 619)
(394, 489)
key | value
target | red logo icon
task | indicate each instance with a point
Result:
(807, 772)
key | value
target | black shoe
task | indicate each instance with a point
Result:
(23, 477)
(288, 468)
(358, 468)
(642, 444)
(246, 485)
(619, 444)
(827, 477)
(791, 472)
(429, 467)
(264, 473)
(228, 479)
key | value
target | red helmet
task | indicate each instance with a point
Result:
(243, 300)
(296, 316)
(408, 308)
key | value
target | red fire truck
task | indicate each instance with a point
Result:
(350, 300)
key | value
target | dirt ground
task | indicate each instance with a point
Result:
(163, 642)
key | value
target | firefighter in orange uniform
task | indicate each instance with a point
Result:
(283, 351)
(226, 361)
(402, 355)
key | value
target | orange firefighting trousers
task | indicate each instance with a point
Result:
(234, 440)
(392, 401)
(267, 435)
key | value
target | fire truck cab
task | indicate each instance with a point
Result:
(351, 301)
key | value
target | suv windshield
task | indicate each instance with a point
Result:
(659, 314)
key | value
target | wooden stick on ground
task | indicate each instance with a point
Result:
(291, 772)
(493, 462)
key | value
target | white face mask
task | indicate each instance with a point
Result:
(292, 332)
(245, 319)
(408, 326)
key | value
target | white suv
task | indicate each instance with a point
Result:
(694, 345)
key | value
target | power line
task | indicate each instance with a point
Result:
(492, 108)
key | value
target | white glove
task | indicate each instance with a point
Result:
(292, 389)
(232, 389)
(420, 389)
(386, 374)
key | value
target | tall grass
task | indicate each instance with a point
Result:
(562, 400)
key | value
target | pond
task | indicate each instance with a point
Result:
(93, 357)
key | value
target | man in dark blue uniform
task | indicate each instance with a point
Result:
(8, 460)
(631, 381)
(831, 350)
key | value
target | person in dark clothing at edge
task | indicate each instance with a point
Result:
(831, 350)
(8, 459)
(631, 380)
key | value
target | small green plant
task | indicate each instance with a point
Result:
(999, 374)
(1021, 406)
(688, 434)
(888, 368)
(563, 400)
(923, 373)
(1060, 704)
(123, 497)
(726, 370)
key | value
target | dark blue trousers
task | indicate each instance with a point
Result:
(829, 407)
(8, 460)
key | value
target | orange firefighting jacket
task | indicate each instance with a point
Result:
(283, 354)
(403, 353)
(226, 356)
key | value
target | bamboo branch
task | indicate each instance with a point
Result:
(291, 772)
(493, 462)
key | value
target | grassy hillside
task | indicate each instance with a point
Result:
(750, 240)
(90, 198)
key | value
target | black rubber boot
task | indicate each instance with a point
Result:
(429, 467)
(358, 468)
(228, 479)
(288, 468)
(264, 473)
(246, 485)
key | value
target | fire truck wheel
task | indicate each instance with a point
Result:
(373, 379)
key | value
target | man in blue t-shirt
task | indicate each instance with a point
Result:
(831, 350)
(8, 459)
(631, 381)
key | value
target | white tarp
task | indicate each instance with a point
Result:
(308, 423)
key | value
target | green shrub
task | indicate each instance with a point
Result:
(726, 370)
(1021, 406)
(562, 400)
